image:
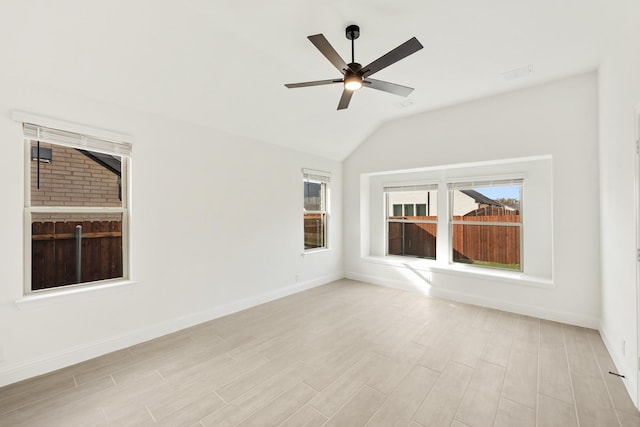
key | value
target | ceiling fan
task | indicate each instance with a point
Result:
(355, 75)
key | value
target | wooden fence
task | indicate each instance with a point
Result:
(313, 231)
(471, 242)
(53, 252)
(489, 243)
(412, 239)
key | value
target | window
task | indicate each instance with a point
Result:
(77, 206)
(412, 235)
(528, 241)
(397, 210)
(315, 209)
(486, 223)
(408, 210)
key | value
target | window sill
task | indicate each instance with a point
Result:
(433, 266)
(46, 298)
(315, 251)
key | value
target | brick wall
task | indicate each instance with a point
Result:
(73, 179)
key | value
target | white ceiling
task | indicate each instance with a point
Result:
(223, 63)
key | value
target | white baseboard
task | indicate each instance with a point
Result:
(48, 363)
(382, 281)
(631, 378)
(527, 310)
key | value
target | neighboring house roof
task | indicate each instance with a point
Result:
(110, 162)
(481, 198)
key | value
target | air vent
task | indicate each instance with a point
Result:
(518, 73)
(403, 104)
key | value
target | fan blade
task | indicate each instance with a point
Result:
(344, 99)
(315, 83)
(329, 52)
(388, 87)
(402, 51)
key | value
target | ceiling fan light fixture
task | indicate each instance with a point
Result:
(353, 75)
(352, 82)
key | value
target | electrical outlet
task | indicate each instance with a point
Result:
(296, 278)
(624, 347)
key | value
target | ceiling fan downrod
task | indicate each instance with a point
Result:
(353, 32)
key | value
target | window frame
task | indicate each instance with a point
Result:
(388, 207)
(470, 185)
(98, 141)
(323, 178)
(538, 220)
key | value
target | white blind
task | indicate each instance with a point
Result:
(316, 175)
(75, 140)
(482, 184)
(398, 188)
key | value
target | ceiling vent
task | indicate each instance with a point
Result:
(518, 73)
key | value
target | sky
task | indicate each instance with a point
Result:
(507, 192)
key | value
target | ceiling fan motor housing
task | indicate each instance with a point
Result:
(355, 67)
(353, 32)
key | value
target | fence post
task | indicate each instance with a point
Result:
(78, 253)
(404, 249)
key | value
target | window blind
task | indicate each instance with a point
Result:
(422, 187)
(316, 175)
(481, 184)
(75, 140)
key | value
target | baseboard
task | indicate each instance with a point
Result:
(630, 380)
(29, 369)
(527, 310)
(383, 281)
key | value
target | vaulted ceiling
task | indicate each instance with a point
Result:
(223, 63)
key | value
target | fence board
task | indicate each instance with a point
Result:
(53, 252)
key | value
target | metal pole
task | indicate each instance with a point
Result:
(78, 253)
(38, 165)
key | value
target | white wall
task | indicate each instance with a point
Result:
(557, 119)
(208, 210)
(619, 95)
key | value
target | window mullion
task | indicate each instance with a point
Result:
(75, 209)
(506, 224)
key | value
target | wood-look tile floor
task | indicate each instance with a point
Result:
(344, 354)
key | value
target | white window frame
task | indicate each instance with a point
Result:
(323, 178)
(388, 208)
(470, 185)
(537, 217)
(75, 136)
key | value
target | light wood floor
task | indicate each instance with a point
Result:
(344, 354)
